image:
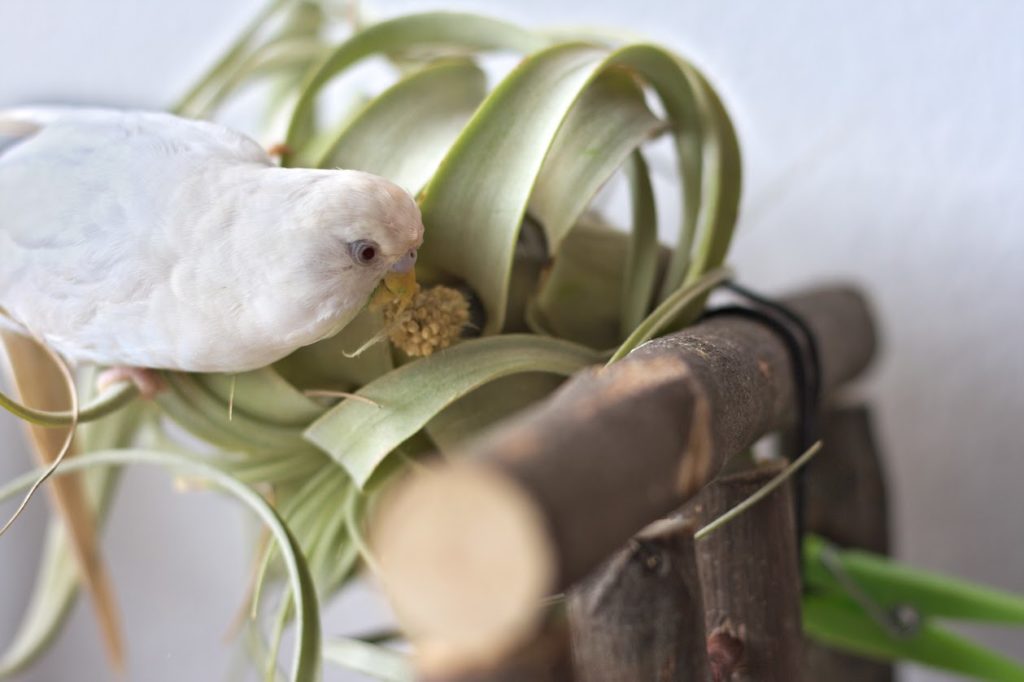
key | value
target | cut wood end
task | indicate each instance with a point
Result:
(465, 558)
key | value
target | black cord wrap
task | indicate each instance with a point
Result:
(802, 348)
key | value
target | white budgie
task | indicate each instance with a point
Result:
(146, 240)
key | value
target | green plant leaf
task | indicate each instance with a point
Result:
(57, 578)
(325, 365)
(722, 189)
(838, 622)
(581, 297)
(306, 660)
(262, 395)
(475, 203)
(443, 29)
(370, 659)
(488, 405)
(404, 133)
(294, 47)
(359, 435)
(640, 277)
(685, 302)
(229, 62)
(188, 402)
(605, 125)
(893, 584)
(302, 509)
(287, 57)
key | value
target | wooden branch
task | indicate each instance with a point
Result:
(40, 384)
(751, 581)
(846, 503)
(845, 485)
(545, 657)
(640, 616)
(538, 502)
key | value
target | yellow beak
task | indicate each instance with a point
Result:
(397, 286)
(401, 284)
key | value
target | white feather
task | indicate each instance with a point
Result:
(143, 239)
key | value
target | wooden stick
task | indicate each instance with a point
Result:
(539, 501)
(751, 581)
(846, 503)
(546, 657)
(41, 385)
(640, 616)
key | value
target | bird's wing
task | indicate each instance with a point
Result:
(95, 207)
(20, 122)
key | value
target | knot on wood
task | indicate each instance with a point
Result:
(725, 653)
(651, 556)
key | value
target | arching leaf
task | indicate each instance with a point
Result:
(360, 435)
(468, 31)
(404, 133)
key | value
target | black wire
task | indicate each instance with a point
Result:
(802, 348)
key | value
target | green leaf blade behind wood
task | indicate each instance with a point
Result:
(893, 584)
(604, 126)
(840, 623)
(488, 405)
(723, 185)
(642, 257)
(580, 298)
(686, 302)
(360, 436)
(474, 205)
(404, 133)
(468, 31)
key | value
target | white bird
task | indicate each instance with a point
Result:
(144, 240)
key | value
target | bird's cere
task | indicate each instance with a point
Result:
(433, 319)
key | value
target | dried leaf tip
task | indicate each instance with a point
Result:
(432, 320)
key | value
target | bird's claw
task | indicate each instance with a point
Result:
(148, 381)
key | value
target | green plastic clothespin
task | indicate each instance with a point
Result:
(866, 604)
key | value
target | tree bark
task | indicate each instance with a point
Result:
(540, 500)
(846, 503)
(640, 616)
(751, 581)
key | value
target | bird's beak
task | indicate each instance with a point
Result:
(400, 282)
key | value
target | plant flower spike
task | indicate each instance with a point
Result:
(233, 287)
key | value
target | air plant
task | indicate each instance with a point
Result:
(522, 285)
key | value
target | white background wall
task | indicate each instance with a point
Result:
(883, 144)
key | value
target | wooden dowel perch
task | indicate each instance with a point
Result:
(467, 550)
(640, 616)
(751, 581)
(846, 502)
(545, 657)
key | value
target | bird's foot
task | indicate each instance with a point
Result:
(148, 381)
(279, 149)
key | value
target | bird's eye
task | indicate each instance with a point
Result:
(365, 252)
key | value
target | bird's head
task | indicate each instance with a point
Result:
(361, 230)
